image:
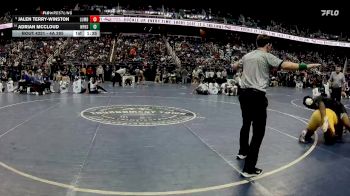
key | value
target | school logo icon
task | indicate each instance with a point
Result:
(138, 115)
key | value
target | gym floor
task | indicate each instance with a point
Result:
(49, 145)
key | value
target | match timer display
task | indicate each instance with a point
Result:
(56, 26)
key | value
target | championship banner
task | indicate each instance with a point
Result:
(221, 26)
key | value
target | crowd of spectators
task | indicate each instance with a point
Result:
(147, 57)
(92, 50)
(143, 49)
(26, 54)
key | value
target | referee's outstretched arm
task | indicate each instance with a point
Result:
(286, 65)
(296, 66)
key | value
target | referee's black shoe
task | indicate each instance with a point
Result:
(252, 173)
(241, 156)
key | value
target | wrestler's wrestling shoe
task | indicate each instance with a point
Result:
(303, 139)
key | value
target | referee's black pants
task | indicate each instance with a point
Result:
(253, 105)
(336, 94)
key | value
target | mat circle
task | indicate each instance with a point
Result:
(138, 115)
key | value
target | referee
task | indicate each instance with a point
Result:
(255, 79)
(337, 81)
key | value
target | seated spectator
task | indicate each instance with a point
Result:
(214, 88)
(78, 85)
(94, 87)
(202, 89)
(64, 84)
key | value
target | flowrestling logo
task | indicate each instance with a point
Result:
(138, 115)
(330, 12)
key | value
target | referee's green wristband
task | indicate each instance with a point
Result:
(302, 66)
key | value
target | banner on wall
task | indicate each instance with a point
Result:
(196, 23)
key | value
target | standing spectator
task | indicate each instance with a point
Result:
(100, 73)
(195, 77)
(219, 77)
(114, 76)
(141, 77)
(255, 79)
(73, 72)
(224, 74)
(83, 71)
(89, 72)
(157, 78)
(4, 76)
(164, 76)
(184, 74)
(337, 81)
(108, 71)
(178, 75)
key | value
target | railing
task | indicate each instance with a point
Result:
(111, 57)
(172, 53)
(57, 52)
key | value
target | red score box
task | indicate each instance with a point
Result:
(94, 19)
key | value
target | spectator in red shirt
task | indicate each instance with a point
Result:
(89, 72)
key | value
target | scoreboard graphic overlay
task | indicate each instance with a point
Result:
(56, 26)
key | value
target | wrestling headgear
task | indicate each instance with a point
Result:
(308, 101)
